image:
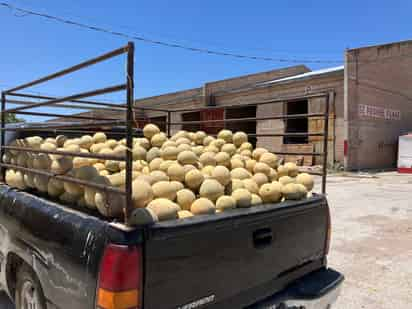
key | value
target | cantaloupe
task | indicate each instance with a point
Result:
(170, 153)
(211, 189)
(211, 148)
(218, 143)
(234, 185)
(306, 180)
(246, 153)
(229, 149)
(111, 143)
(208, 158)
(183, 214)
(271, 192)
(242, 197)
(86, 141)
(176, 172)
(221, 174)
(22, 158)
(139, 153)
(29, 180)
(193, 179)
(152, 154)
(250, 165)
(182, 140)
(251, 185)
(256, 200)
(143, 142)
(177, 185)
(187, 157)
(95, 148)
(262, 168)
(207, 171)
(202, 206)
(158, 139)
(270, 159)
(207, 140)
(142, 193)
(110, 204)
(240, 173)
(184, 147)
(273, 175)
(239, 138)
(61, 166)
(33, 142)
(112, 166)
(199, 137)
(55, 187)
(41, 182)
(15, 179)
(258, 152)
(225, 202)
(68, 198)
(226, 135)
(159, 176)
(90, 193)
(185, 198)
(99, 137)
(164, 189)
(60, 140)
(188, 167)
(282, 171)
(150, 130)
(41, 161)
(164, 209)
(291, 191)
(235, 163)
(293, 170)
(154, 164)
(284, 180)
(246, 146)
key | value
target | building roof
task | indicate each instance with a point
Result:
(304, 75)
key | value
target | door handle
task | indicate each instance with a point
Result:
(262, 238)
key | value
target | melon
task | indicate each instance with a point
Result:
(142, 194)
(284, 180)
(188, 167)
(207, 158)
(61, 166)
(164, 166)
(239, 138)
(292, 168)
(184, 147)
(273, 175)
(159, 176)
(194, 179)
(55, 187)
(60, 140)
(199, 137)
(185, 198)
(183, 214)
(229, 148)
(182, 140)
(256, 200)
(223, 158)
(143, 142)
(147, 178)
(33, 142)
(235, 163)
(170, 153)
(176, 172)
(187, 157)
(271, 192)
(158, 139)
(262, 168)
(99, 137)
(41, 161)
(111, 143)
(164, 209)
(246, 153)
(221, 174)
(250, 165)
(282, 171)
(110, 204)
(41, 182)
(270, 159)
(242, 197)
(86, 141)
(251, 185)
(291, 191)
(202, 206)
(225, 202)
(218, 143)
(150, 130)
(68, 198)
(226, 135)
(306, 180)
(258, 152)
(164, 189)
(207, 140)
(154, 164)
(29, 180)
(240, 173)
(139, 153)
(211, 189)
(177, 185)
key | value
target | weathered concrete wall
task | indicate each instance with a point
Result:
(378, 81)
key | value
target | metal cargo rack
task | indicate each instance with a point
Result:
(120, 127)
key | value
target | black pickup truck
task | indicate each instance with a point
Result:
(53, 256)
(267, 256)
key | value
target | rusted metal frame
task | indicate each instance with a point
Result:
(60, 115)
(129, 130)
(250, 119)
(271, 101)
(114, 105)
(69, 131)
(290, 153)
(65, 178)
(72, 69)
(287, 134)
(3, 132)
(69, 125)
(68, 106)
(169, 122)
(67, 153)
(325, 143)
(68, 98)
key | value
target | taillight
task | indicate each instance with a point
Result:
(328, 231)
(119, 285)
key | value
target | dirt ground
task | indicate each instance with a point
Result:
(371, 240)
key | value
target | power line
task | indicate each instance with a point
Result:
(25, 12)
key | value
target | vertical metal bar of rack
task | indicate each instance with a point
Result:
(325, 144)
(129, 129)
(169, 120)
(3, 132)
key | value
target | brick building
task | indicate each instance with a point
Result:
(370, 106)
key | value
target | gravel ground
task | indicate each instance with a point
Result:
(371, 240)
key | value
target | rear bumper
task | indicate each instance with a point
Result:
(317, 290)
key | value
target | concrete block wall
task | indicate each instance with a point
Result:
(378, 82)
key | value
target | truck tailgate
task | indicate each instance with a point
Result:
(233, 259)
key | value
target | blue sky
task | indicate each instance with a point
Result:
(321, 30)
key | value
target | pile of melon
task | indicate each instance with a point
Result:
(188, 174)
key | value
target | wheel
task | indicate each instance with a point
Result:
(29, 294)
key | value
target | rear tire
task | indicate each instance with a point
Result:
(29, 294)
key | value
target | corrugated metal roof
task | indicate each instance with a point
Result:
(305, 75)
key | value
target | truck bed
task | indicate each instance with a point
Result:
(229, 260)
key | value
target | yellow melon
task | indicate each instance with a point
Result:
(223, 158)
(240, 173)
(187, 157)
(229, 148)
(271, 192)
(183, 214)
(211, 189)
(185, 198)
(221, 174)
(239, 138)
(258, 152)
(306, 180)
(194, 179)
(293, 170)
(256, 200)
(99, 137)
(270, 159)
(202, 206)
(251, 185)
(242, 197)
(262, 168)
(164, 209)
(225, 202)
(158, 139)
(150, 130)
